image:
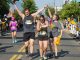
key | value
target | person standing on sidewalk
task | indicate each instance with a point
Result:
(13, 27)
(3, 27)
(28, 26)
(42, 28)
(78, 30)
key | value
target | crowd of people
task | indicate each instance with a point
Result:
(4, 25)
(73, 26)
(46, 31)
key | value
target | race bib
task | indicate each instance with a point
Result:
(43, 33)
(28, 22)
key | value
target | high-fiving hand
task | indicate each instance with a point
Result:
(14, 1)
(46, 6)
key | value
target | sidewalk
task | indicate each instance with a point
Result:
(72, 35)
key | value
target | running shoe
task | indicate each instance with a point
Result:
(56, 57)
(15, 41)
(45, 58)
(41, 58)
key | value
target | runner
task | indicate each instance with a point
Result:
(42, 26)
(13, 26)
(50, 35)
(73, 26)
(28, 26)
(56, 31)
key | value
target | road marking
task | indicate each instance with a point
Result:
(15, 56)
(20, 56)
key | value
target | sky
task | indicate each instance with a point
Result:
(41, 3)
(58, 3)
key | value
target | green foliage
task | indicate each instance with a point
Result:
(70, 9)
(52, 10)
(16, 15)
(30, 4)
(4, 7)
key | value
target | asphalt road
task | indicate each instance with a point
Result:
(69, 48)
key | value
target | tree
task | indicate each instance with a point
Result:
(70, 9)
(52, 10)
(30, 4)
(16, 15)
(4, 7)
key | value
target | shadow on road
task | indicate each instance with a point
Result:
(36, 54)
(3, 49)
(63, 53)
(60, 54)
(5, 37)
(17, 53)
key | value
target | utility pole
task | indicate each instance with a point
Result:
(55, 7)
(54, 3)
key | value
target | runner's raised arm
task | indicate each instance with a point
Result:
(19, 12)
(49, 12)
(40, 10)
